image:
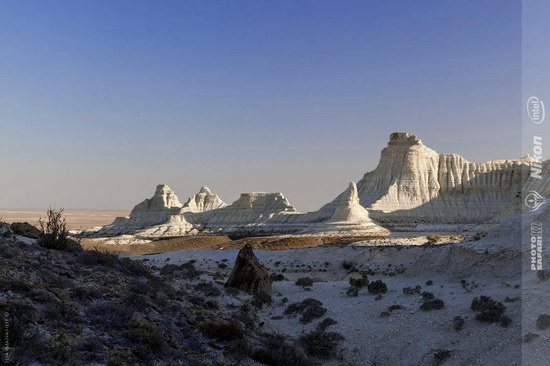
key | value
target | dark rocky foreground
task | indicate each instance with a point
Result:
(92, 308)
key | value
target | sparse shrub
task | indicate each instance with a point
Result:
(261, 299)
(110, 315)
(146, 338)
(505, 321)
(84, 293)
(543, 321)
(489, 310)
(441, 355)
(96, 257)
(277, 352)
(169, 270)
(348, 266)
(121, 357)
(361, 282)
(377, 287)
(304, 282)
(15, 285)
(427, 295)
(433, 304)
(458, 323)
(543, 275)
(429, 283)
(223, 331)
(140, 287)
(188, 271)
(54, 233)
(530, 337)
(352, 292)
(277, 277)
(326, 323)
(411, 290)
(312, 312)
(309, 309)
(321, 344)
(135, 267)
(202, 302)
(207, 289)
(136, 301)
(60, 312)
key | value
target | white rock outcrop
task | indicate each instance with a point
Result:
(163, 200)
(412, 188)
(203, 201)
(413, 184)
(163, 207)
(256, 212)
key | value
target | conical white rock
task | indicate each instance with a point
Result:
(412, 187)
(203, 201)
(164, 199)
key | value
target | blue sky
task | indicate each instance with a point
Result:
(102, 100)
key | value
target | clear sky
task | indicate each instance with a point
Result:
(102, 100)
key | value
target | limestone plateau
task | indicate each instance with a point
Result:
(412, 188)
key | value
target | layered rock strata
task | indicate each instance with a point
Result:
(412, 188)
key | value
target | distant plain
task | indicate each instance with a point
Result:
(76, 218)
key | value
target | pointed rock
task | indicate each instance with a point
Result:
(203, 201)
(164, 199)
(348, 208)
(249, 274)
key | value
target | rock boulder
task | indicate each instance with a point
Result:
(249, 274)
(25, 229)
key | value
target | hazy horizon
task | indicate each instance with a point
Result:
(103, 101)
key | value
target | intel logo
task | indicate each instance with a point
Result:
(535, 110)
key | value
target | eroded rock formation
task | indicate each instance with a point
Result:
(415, 185)
(412, 188)
(248, 274)
(203, 201)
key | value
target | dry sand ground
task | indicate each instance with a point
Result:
(409, 336)
(282, 242)
(76, 218)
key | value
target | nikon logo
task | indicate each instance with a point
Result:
(536, 165)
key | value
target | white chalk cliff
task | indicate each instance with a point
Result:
(413, 184)
(203, 201)
(412, 187)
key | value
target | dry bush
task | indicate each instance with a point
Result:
(321, 344)
(54, 233)
(277, 351)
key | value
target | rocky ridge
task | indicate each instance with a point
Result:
(412, 188)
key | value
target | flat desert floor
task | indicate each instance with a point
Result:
(392, 329)
(76, 218)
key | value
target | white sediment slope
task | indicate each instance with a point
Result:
(412, 188)
(495, 266)
(414, 184)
